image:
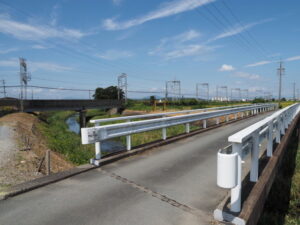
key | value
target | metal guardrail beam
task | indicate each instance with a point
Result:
(269, 128)
(98, 121)
(99, 133)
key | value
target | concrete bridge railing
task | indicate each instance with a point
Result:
(248, 141)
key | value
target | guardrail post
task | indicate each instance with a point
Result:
(227, 118)
(236, 192)
(128, 140)
(217, 120)
(235, 116)
(270, 139)
(282, 129)
(254, 158)
(164, 133)
(204, 124)
(187, 128)
(97, 147)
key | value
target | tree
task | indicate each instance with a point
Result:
(110, 92)
(152, 99)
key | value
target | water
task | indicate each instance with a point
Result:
(107, 146)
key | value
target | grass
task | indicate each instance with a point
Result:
(286, 103)
(63, 141)
(283, 204)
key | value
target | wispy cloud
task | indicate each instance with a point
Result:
(226, 67)
(259, 63)
(5, 51)
(165, 10)
(237, 29)
(181, 45)
(247, 75)
(294, 58)
(54, 15)
(117, 2)
(35, 65)
(26, 31)
(39, 47)
(114, 54)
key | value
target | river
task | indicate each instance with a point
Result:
(107, 146)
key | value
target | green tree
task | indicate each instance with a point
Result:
(152, 99)
(110, 92)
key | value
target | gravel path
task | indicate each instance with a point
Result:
(8, 146)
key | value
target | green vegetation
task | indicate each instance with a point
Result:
(283, 204)
(61, 140)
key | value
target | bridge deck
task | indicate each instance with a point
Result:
(173, 184)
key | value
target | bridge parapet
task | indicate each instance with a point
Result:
(249, 141)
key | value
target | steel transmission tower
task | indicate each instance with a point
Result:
(246, 91)
(24, 78)
(122, 85)
(173, 88)
(238, 90)
(205, 86)
(280, 71)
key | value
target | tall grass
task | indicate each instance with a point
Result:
(61, 140)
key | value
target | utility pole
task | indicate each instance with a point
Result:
(4, 88)
(122, 85)
(280, 71)
(24, 78)
(294, 91)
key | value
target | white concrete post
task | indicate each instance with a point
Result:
(235, 116)
(242, 114)
(128, 140)
(97, 147)
(217, 120)
(278, 131)
(204, 124)
(254, 158)
(270, 139)
(236, 192)
(187, 128)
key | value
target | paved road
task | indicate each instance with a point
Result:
(173, 184)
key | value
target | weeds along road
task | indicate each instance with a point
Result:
(172, 184)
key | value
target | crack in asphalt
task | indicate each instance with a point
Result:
(157, 195)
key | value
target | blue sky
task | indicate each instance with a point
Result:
(87, 44)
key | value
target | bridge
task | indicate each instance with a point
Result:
(174, 183)
(62, 104)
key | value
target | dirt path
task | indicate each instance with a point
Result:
(8, 145)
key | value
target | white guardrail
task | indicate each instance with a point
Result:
(248, 140)
(99, 133)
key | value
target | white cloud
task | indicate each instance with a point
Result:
(39, 47)
(117, 2)
(259, 63)
(181, 45)
(34, 66)
(24, 31)
(54, 15)
(294, 58)
(114, 54)
(188, 50)
(247, 75)
(226, 67)
(237, 29)
(165, 10)
(5, 51)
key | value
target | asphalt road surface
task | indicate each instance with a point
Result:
(172, 184)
